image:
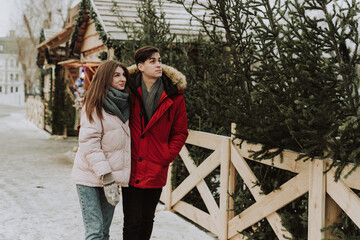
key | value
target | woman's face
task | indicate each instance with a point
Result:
(119, 79)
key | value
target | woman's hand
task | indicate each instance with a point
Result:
(111, 190)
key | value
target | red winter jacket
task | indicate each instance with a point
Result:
(156, 142)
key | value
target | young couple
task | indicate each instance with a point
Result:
(145, 102)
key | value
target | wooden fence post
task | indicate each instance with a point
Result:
(224, 186)
(317, 195)
(332, 215)
(232, 177)
(167, 190)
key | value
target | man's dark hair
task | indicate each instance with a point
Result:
(142, 54)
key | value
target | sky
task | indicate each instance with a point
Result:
(8, 12)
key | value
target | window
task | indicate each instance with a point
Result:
(12, 63)
(1, 48)
(16, 89)
(17, 77)
(12, 89)
(0, 88)
(11, 76)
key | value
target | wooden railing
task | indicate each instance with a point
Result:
(326, 197)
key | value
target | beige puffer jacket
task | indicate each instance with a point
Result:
(98, 155)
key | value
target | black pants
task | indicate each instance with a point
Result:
(139, 210)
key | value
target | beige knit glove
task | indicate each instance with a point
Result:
(111, 190)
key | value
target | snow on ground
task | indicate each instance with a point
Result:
(39, 201)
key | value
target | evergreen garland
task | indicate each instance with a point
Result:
(78, 23)
(103, 56)
(49, 103)
(60, 113)
(41, 39)
(57, 106)
(46, 50)
(41, 84)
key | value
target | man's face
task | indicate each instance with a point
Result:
(151, 68)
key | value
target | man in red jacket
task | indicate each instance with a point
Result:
(158, 125)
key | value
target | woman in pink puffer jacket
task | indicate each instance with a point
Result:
(102, 162)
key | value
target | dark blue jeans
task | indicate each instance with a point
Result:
(96, 211)
(139, 211)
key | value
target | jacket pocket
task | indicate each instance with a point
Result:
(166, 159)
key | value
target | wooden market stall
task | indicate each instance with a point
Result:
(94, 37)
(53, 48)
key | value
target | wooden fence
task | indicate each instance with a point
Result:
(35, 111)
(326, 197)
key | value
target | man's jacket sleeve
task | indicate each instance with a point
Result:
(179, 130)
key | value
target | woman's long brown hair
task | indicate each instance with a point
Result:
(99, 86)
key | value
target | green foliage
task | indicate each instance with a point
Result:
(294, 217)
(78, 22)
(284, 71)
(103, 56)
(293, 76)
(68, 115)
(41, 39)
(150, 29)
(43, 72)
(48, 116)
(57, 106)
(346, 229)
(46, 51)
(59, 113)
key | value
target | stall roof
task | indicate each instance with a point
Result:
(181, 22)
(58, 37)
(54, 38)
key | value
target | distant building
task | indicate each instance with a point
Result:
(11, 78)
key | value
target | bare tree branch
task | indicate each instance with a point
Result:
(27, 24)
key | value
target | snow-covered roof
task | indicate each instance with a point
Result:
(181, 22)
(49, 33)
(54, 38)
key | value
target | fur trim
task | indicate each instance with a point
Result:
(133, 69)
(176, 77)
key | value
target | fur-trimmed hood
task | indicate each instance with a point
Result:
(177, 78)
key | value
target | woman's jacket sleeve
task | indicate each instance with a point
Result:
(90, 142)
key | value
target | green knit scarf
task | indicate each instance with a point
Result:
(116, 103)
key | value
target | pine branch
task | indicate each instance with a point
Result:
(340, 60)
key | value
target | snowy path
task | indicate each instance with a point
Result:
(38, 201)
